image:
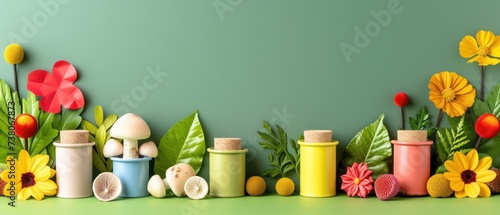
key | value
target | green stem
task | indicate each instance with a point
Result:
(26, 144)
(482, 83)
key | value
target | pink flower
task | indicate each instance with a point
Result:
(357, 181)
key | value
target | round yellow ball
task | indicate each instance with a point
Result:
(285, 186)
(255, 186)
(13, 54)
(438, 186)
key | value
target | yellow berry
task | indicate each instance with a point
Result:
(285, 186)
(255, 186)
(13, 54)
(438, 186)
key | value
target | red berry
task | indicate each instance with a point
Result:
(25, 126)
(487, 126)
(386, 186)
(401, 99)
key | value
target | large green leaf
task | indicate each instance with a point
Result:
(372, 146)
(183, 143)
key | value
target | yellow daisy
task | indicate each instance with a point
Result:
(451, 93)
(480, 49)
(468, 175)
(32, 177)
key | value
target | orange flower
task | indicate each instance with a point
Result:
(451, 93)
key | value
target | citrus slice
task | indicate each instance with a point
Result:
(107, 186)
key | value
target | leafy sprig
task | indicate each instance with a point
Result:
(281, 159)
(422, 121)
(99, 133)
(451, 140)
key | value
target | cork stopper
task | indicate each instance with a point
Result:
(74, 136)
(318, 136)
(412, 135)
(227, 143)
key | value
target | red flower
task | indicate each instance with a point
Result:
(401, 99)
(357, 181)
(56, 89)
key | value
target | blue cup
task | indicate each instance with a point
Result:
(133, 174)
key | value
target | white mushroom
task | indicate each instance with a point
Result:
(156, 187)
(177, 175)
(148, 149)
(130, 128)
(196, 187)
(107, 186)
(112, 148)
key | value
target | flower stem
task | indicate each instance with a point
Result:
(15, 79)
(402, 118)
(482, 83)
(438, 121)
(26, 144)
(478, 142)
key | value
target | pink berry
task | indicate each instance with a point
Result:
(386, 186)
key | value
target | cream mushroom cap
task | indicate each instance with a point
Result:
(148, 149)
(130, 127)
(156, 187)
(112, 148)
(177, 175)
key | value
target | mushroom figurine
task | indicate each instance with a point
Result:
(181, 179)
(130, 128)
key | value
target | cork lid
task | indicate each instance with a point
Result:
(227, 143)
(317, 136)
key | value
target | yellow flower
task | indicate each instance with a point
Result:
(468, 176)
(32, 177)
(487, 45)
(451, 93)
(13, 54)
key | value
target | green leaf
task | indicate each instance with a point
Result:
(371, 146)
(45, 134)
(89, 127)
(183, 143)
(98, 115)
(492, 148)
(100, 139)
(68, 119)
(97, 162)
(30, 105)
(109, 121)
(490, 105)
(3, 166)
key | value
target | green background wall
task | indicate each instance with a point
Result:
(240, 62)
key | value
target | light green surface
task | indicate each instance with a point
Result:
(270, 204)
(278, 61)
